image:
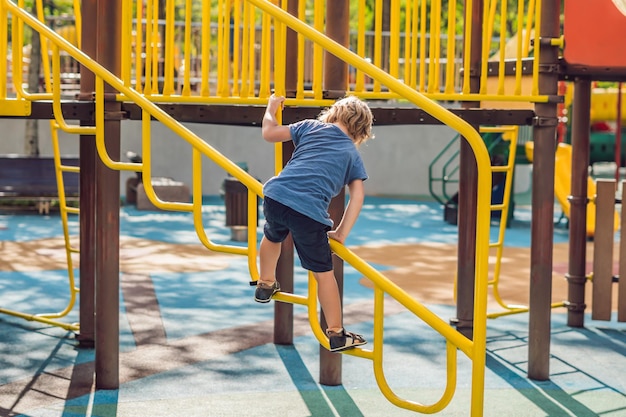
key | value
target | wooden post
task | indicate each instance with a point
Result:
(601, 297)
(468, 189)
(88, 157)
(108, 207)
(577, 274)
(621, 294)
(542, 225)
(283, 312)
(335, 83)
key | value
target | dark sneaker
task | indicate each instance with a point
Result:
(344, 340)
(264, 292)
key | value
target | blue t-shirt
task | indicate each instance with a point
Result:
(324, 161)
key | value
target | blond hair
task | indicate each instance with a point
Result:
(354, 114)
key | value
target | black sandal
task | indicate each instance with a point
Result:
(344, 340)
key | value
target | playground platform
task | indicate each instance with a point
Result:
(194, 343)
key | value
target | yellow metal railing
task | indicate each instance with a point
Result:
(208, 52)
(213, 52)
(474, 349)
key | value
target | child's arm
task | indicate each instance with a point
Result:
(357, 195)
(271, 130)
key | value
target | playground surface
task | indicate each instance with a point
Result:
(194, 343)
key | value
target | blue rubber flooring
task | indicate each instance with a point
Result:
(218, 358)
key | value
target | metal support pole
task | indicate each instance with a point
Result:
(468, 190)
(107, 208)
(335, 82)
(576, 276)
(542, 224)
(88, 157)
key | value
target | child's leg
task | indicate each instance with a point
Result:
(328, 295)
(269, 252)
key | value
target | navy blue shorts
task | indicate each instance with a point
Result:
(310, 237)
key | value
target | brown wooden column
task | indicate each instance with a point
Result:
(335, 84)
(468, 190)
(576, 275)
(283, 312)
(108, 206)
(88, 157)
(542, 224)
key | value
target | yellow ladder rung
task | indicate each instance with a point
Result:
(72, 210)
(73, 250)
(291, 298)
(497, 207)
(69, 168)
(501, 168)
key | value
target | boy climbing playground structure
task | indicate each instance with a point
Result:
(217, 62)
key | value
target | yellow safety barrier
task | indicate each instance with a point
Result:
(474, 349)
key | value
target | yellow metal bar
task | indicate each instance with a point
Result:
(56, 99)
(434, 47)
(301, 53)
(265, 59)
(385, 389)
(4, 49)
(196, 187)
(467, 46)
(253, 60)
(501, 66)
(360, 76)
(245, 52)
(78, 23)
(378, 39)
(168, 81)
(403, 298)
(318, 52)
(537, 47)
(139, 47)
(489, 13)
(126, 46)
(15, 107)
(280, 43)
(529, 24)
(224, 76)
(186, 91)
(146, 153)
(155, 44)
(422, 47)
(45, 58)
(34, 317)
(148, 48)
(518, 55)
(18, 61)
(206, 48)
(394, 37)
(253, 208)
(236, 48)
(451, 49)
(59, 169)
